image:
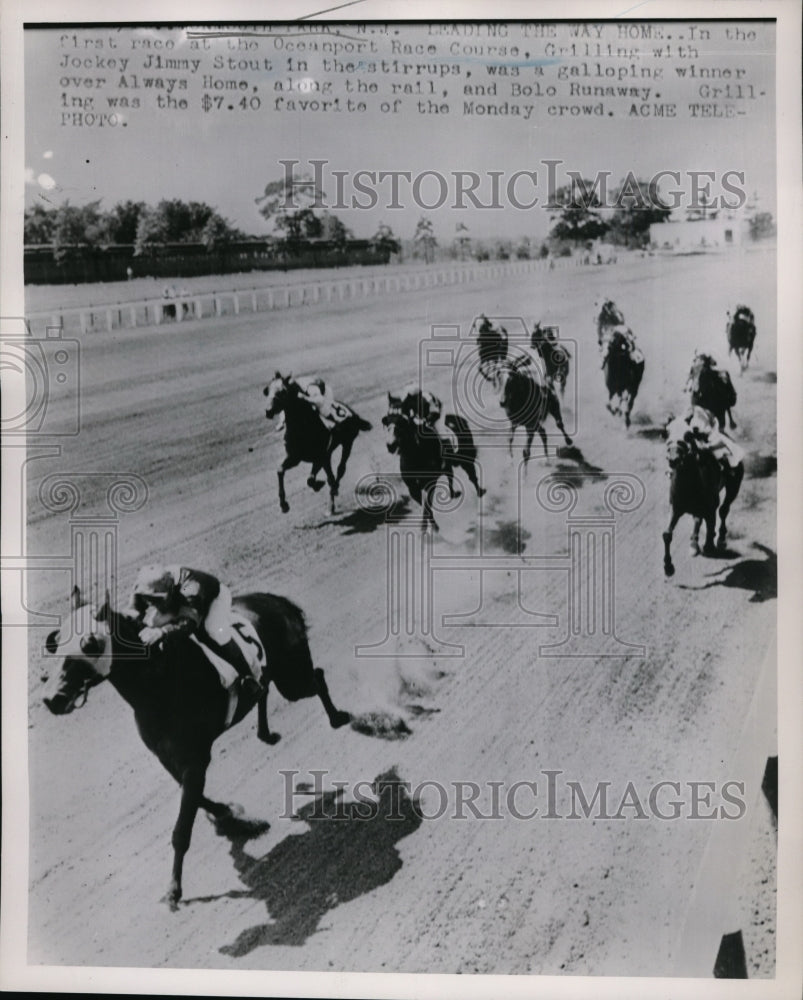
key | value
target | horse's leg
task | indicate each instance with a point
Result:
(263, 730)
(510, 440)
(312, 481)
(669, 568)
(542, 435)
(710, 527)
(528, 445)
(345, 452)
(337, 718)
(629, 399)
(694, 541)
(557, 416)
(732, 486)
(330, 478)
(428, 520)
(469, 467)
(288, 463)
(192, 792)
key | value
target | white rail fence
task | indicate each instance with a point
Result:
(203, 305)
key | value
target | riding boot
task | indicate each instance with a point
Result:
(233, 654)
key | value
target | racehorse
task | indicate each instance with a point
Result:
(711, 388)
(179, 704)
(492, 347)
(307, 438)
(624, 370)
(741, 332)
(527, 398)
(610, 315)
(425, 456)
(554, 355)
(696, 481)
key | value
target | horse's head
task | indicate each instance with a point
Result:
(86, 655)
(677, 452)
(392, 422)
(278, 391)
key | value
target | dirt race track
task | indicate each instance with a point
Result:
(182, 408)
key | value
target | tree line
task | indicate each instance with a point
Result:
(295, 215)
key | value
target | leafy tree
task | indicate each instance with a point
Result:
(462, 241)
(576, 217)
(122, 221)
(424, 239)
(77, 226)
(637, 205)
(524, 250)
(334, 230)
(289, 204)
(384, 241)
(761, 225)
(39, 224)
(176, 221)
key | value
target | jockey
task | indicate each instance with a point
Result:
(176, 600)
(319, 394)
(630, 340)
(700, 426)
(486, 326)
(421, 405)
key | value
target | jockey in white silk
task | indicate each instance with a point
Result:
(702, 426)
(176, 600)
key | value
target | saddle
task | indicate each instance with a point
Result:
(252, 650)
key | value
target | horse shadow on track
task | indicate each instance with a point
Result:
(349, 850)
(575, 467)
(758, 575)
(363, 522)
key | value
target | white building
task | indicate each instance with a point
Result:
(700, 230)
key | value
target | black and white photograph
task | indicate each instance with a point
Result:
(399, 575)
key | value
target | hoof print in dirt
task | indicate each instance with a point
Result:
(382, 725)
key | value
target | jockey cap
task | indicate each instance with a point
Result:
(155, 581)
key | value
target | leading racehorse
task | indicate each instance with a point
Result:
(308, 437)
(180, 706)
(696, 480)
(741, 331)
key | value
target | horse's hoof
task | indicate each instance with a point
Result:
(569, 442)
(669, 569)
(270, 738)
(481, 491)
(285, 506)
(340, 719)
(172, 897)
(315, 484)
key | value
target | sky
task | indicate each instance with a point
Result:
(225, 157)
